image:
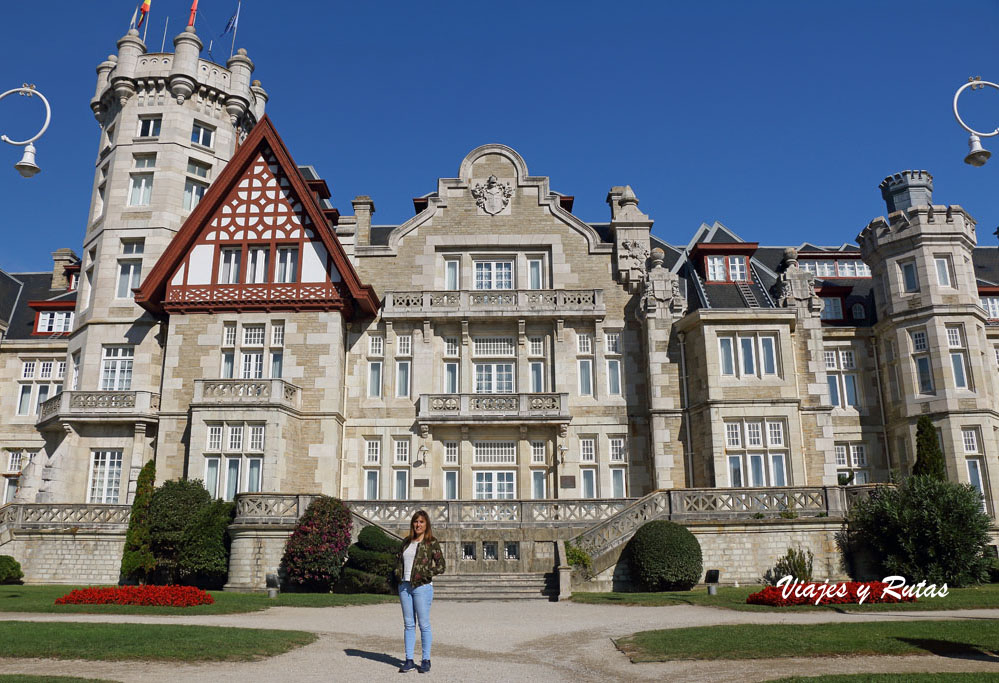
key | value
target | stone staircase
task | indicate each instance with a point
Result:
(496, 586)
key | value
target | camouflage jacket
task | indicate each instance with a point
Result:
(428, 563)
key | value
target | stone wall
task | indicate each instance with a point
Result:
(66, 556)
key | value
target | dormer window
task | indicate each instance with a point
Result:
(727, 269)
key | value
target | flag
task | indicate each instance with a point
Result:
(233, 21)
(144, 10)
(135, 15)
(194, 12)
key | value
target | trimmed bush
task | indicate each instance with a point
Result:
(929, 456)
(664, 556)
(137, 560)
(370, 563)
(10, 570)
(373, 538)
(172, 508)
(356, 581)
(796, 563)
(317, 548)
(925, 530)
(203, 556)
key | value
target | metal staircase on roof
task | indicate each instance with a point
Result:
(747, 294)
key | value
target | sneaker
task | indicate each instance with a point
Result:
(407, 667)
(424, 666)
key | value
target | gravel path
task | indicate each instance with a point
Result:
(489, 641)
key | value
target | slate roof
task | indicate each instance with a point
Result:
(33, 287)
(986, 261)
(10, 288)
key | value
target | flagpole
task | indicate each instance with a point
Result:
(165, 24)
(235, 27)
(146, 29)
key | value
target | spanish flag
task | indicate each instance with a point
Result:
(143, 11)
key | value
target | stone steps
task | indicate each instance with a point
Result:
(494, 587)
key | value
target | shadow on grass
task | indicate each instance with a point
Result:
(375, 657)
(951, 649)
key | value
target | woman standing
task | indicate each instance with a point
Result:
(418, 562)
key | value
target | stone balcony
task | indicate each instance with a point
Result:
(476, 408)
(246, 392)
(98, 406)
(521, 303)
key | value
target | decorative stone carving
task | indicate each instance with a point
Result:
(796, 287)
(662, 293)
(492, 197)
(633, 257)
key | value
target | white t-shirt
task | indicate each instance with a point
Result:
(408, 555)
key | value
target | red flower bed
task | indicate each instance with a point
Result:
(847, 592)
(157, 596)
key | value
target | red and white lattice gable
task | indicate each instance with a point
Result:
(259, 240)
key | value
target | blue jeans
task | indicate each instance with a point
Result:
(416, 607)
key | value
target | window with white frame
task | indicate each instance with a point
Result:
(451, 377)
(40, 380)
(613, 343)
(584, 367)
(105, 476)
(18, 459)
(450, 452)
(958, 350)
(991, 306)
(202, 134)
(400, 490)
(537, 452)
(614, 376)
(376, 345)
(921, 361)
(841, 373)
(589, 482)
(256, 265)
(116, 368)
(374, 379)
(128, 278)
(944, 271)
(851, 463)
(54, 322)
(619, 482)
(140, 189)
(401, 450)
(228, 273)
(617, 450)
(252, 351)
(494, 378)
(149, 126)
(494, 346)
(535, 273)
(494, 453)
(371, 484)
(495, 485)
(494, 274)
(970, 440)
(194, 192)
(234, 458)
(372, 451)
(450, 484)
(402, 368)
(536, 346)
(832, 308)
(587, 450)
(756, 452)
(909, 275)
(277, 334)
(753, 355)
(76, 370)
(539, 488)
(584, 343)
(287, 265)
(452, 347)
(537, 374)
(404, 345)
(452, 271)
(727, 269)
(716, 268)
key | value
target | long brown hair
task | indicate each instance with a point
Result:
(428, 534)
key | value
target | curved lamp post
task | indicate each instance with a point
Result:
(27, 166)
(978, 155)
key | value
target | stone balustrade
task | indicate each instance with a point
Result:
(523, 303)
(64, 516)
(468, 407)
(103, 406)
(246, 391)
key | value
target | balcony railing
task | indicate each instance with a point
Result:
(496, 302)
(99, 406)
(246, 392)
(64, 516)
(526, 407)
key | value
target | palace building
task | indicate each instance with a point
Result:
(224, 318)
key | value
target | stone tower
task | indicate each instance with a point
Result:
(930, 335)
(169, 123)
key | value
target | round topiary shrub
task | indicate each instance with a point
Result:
(664, 556)
(10, 570)
(370, 563)
(373, 538)
(315, 553)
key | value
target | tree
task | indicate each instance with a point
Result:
(317, 549)
(174, 506)
(203, 555)
(929, 456)
(137, 560)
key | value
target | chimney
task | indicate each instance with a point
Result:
(363, 208)
(60, 259)
(906, 189)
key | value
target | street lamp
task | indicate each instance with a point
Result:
(977, 155)
(27, 166)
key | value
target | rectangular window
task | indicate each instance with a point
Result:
(494, 346)
(733, 434)
(494, 274)
(489, 550)
(256, 265)
(401, 450)
(537, 452)
(24, 400)
(402, 379)
(140, 189)
(727, 348)
(991, 306)
(969, 437)
(613, 343)
(617, 451)
(214, 438)
(942, 264)
(229, 266)
(768, 355)
(584, 343)
(372, 451)
(450, 452)
(202, 135)
(404, 346)
(14, 461)
(585, 366)
(376, 345)
(252, 366)
(451, 378)
(149, 126)
(228, 365)
(116, 368)
(234, 440)
(495, 485)
(198, 168)
(401, 485)
(747, 353)
(451, 280)
(371, 484)
(960, 374)
(277, 334)
(735, 470)
(194, 192)
(589, 476)
(535, 274)
(587, 450)
(613, 377)
(737, 268)
(919, 342)
(105, 477)
(128, 278)
(924, 373)
(253, 474)
(61, 369)
(43, 396)
(229, 334)
(451, 346)
(775, 434)
(256, 438)
(374, 379)
(495, 453)
(832, 308)
(778, 474)
(45, 370)
(976, 477)
(494, 378)
(538, 488)
(287, 265)
(537, 377)
(143, 161)
(618, 487)
(76, 371)
(536, 346)
(716, 268)
(910, 278)
(763, 464)
(451, 485)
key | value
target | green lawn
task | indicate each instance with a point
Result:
(894, 678)
(67, 640)
(42, 599)
(755, 641)
(977, 597)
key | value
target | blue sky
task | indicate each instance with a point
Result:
(778, 119)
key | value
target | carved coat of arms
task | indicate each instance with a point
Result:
(492, 197)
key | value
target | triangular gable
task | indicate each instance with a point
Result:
(259, 201)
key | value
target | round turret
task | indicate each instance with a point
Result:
(184, 74)
(260, 98)
(103, 74)
(130, 48)
(238, 100)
